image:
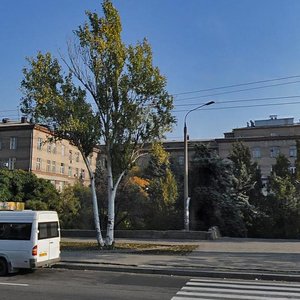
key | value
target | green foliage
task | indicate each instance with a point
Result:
(132, 106)
(284, 201)
(213, 202)
(162, 191)
(52, 99)
(68, 207)
(22, 186)
(129, 92)
(38, 194)
(282, 167)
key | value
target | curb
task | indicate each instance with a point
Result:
(263, 275)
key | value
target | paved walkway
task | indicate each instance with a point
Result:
(225, 255)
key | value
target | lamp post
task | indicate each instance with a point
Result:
(186, 170)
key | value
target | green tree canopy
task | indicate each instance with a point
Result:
(131, 104)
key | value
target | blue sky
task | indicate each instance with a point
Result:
(197, 44)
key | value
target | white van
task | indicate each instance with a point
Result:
(28, 239)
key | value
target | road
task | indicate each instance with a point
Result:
(57, 284)
(54, 284)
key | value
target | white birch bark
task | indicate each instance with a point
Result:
(112, 190)
(95, 204)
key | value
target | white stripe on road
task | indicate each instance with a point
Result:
(206, 289)
(242, 287)
(193, 291)
(240, 282)
(230, 297)
(14, 284)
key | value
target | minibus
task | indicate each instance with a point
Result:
(28, 239)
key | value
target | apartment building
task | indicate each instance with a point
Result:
(26, 146)
(265, 139)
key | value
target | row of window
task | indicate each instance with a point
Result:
(274, 152)
(53, 167)
(52, 148)
(22, 231)
(12, 143)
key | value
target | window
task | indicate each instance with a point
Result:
(63, 150)
(82, 174)
(11, 163)
(13, 143)
(70, 171)
(274, 152)
(53, 167)
(292, 169)
(293, 151)
(62, 168)
(256, 153)
(54, 149)
(77, 172)
(77, 156)
(38, 164)
(48, 166)
(49, 146)
(181, 160)
(15, 231)
(70, 156)
(48, 230)
(39, 143)
(61, 185)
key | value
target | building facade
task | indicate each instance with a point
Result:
(266, 139)
(26, 146)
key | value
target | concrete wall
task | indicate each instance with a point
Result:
(212, 234)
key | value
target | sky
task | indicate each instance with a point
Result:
(201, 46)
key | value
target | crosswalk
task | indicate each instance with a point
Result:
(209, 289)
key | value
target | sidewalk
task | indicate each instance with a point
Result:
(226, 257)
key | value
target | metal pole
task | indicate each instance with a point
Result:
(186, 180)
(186, 199)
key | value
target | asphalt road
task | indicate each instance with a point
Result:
(56, 284)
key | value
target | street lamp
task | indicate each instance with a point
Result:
(186, 170)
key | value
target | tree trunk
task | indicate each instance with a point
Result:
(96, 213)
(95, 204)
(111, 205)
(112, 191)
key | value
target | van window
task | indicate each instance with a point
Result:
(15, 231)
(48, 230)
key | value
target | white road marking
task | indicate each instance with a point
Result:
(14, 284)
(206, 289)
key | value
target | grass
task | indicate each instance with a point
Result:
(135, 248)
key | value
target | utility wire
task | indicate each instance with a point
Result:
(244, 100)
(236, 85)
(237, 91)
(242, 106)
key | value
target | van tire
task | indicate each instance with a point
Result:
(3, 267)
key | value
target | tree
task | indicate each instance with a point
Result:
(213, 202)
(37, 194)
(161, 189)
(131, 102)
(52, 99)
(284, 200)
(245, 181)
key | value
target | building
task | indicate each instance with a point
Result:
(26, 146)
(265, 139)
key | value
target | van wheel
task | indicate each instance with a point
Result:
(3, 267)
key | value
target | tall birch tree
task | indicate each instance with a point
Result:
(129, 94)
(53, 100)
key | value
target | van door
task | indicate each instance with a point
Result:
(48, 241)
